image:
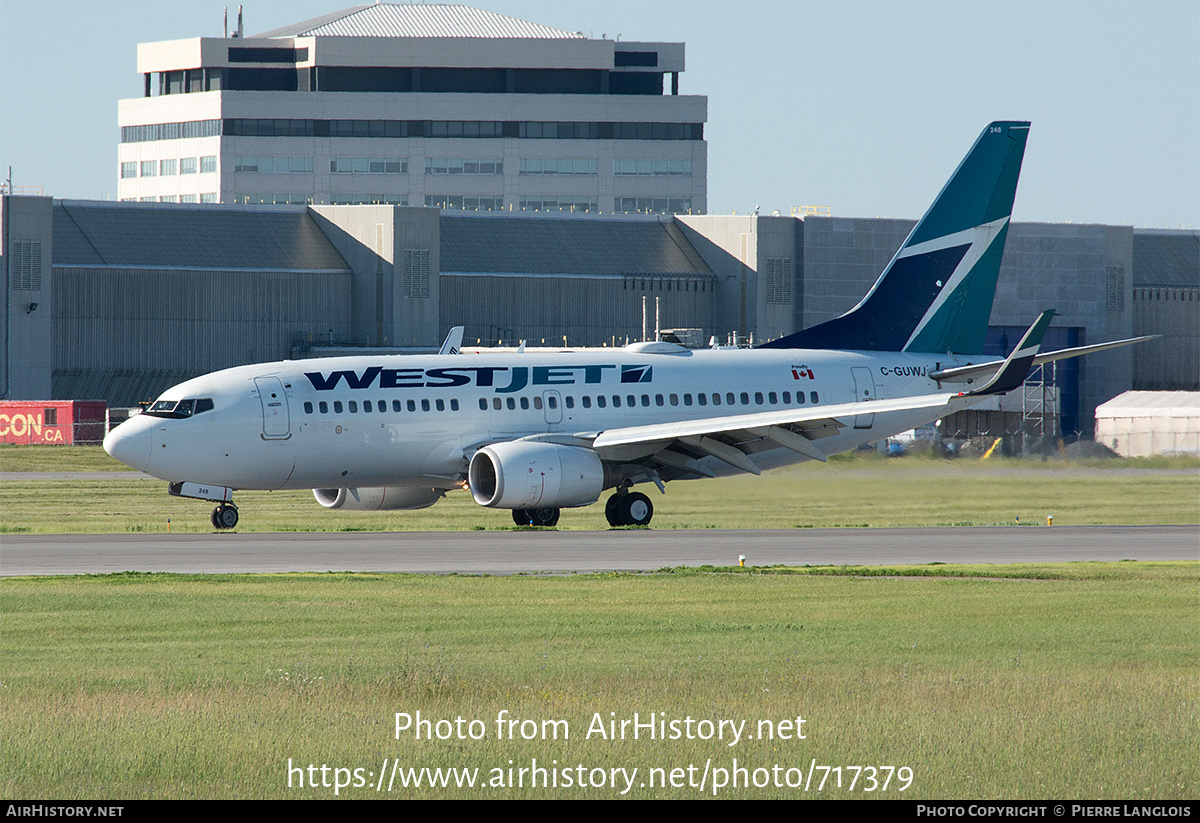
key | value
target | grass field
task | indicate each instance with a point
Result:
(1064, 681)
(1052, 681)
(857, 490)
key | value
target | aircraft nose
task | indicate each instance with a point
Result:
(130, 443)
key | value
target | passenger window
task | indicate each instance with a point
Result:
(524, 402)
(308, 407)
(787, 398)
(687, 399)
(537, 402)
(496, 404)
(658, 400)
(730, 399)
(812, 395)
(366, 406)
(772, 398)
(396, 406)
(512, 404)
(674, 400)
(600, 401)
(441, 405)
(758, 398)
(702, 399)
(570, 402)
(337, 406)
(352, 405)
(799, 398)
(587, 401)
(631, 401)
(412, 405)
(616, 401)
(454, 405)
(716, 399)
(324, 407)
(425, 405)
(745, 399)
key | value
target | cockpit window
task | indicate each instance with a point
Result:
(179, 409)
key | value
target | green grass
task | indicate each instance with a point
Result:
(852, 490)
(1041, 681)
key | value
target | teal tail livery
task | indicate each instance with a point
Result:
(537, 432)
(936, 293)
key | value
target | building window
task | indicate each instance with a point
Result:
(652, 168)
(187, 165)
(187, 198)
(464, 165)
(464, 202)
(558, 165)
(209, 197)
(129, 170)
(149, 168)
(378, 199)
(273, 165)
(368, 165)
(167, 167)
(655, 205)
(208, 164)
(565, 202)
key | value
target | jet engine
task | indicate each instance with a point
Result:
(525, 475)
(378, 499)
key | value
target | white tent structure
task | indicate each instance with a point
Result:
(1142, 423)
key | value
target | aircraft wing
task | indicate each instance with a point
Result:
(731, 439)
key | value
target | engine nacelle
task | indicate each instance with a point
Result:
(378, 499)
(524, 475)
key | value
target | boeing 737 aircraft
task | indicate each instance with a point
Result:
(537, 433)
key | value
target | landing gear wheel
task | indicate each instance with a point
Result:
(612, 510)
(225, 516)
(633, 509)
(637, 509)
(545, 517)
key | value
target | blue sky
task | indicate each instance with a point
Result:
(864, 107)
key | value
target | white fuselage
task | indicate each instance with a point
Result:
(416, 420)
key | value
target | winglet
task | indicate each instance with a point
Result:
(1016, 366)
(453, 344)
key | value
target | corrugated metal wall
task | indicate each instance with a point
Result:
(124, 335)
(589, 311)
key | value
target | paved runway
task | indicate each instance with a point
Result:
(513, 552)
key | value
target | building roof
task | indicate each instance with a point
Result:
(1151, 404)
(190, 237)
(1166, 259)
(562, 246)
(394, 20)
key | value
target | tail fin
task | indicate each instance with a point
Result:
(936, 294)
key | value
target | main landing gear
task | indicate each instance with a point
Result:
(535, 517)
(224, 516)
(628, 509)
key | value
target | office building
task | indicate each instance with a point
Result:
(418, 105)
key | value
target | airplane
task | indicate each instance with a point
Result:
(536, 433)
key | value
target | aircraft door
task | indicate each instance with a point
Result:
(864, 390)
(552, 405)
(277, 423)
